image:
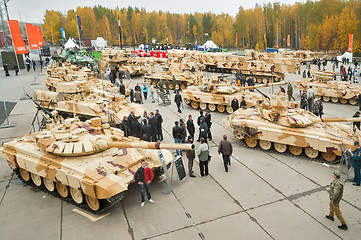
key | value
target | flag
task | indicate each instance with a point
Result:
(288, 41)
(19, 44)
(265, 41)
(62, 33)
(32, 38)
(171, 39)
(350, 40)
(39, 35)
(80, 26)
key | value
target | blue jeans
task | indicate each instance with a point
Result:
(178, 140)
(357, 175)
(147, 189)
(152, 95)
(226, 161)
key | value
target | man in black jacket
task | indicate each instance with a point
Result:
(209, 124)
(199, 118)
(177, 133)
(122, 87)
(146, 131)
(203, 130)
(190, 126)
(235, 104)
(178, 101)
(159, 121)
(153, 123)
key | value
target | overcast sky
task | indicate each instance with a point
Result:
(33, 10)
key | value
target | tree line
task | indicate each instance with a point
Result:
(313, 25)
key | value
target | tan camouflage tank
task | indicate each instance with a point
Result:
(275, 123)
(88, 163)
(325, 87)
(216, 95)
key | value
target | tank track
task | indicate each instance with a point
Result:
(287, 153)
(106, 204)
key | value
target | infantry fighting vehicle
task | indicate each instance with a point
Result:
(325, 87)
(217, 95)
(275, 123)
(88, 164)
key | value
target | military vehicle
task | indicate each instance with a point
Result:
(88, 164)
(274, 122)
(217, 95)
(74, 56)
(325, 87)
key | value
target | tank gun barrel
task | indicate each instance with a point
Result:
(263, 85)
(150, 145)
(338, 120)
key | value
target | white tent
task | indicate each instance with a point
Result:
(100, 43)
(70, 44)
(209, 45)
(347, 55)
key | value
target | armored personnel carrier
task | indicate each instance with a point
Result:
(275, 123)
(88, 164)
(217, 95)
(74, 56)
(325, 87)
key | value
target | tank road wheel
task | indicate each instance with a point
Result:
(326, 98)
(25, 175)
(352, 101)
(154, 83)
(265, 145)
(221, 108)
(295, 150)
(49, 184)
(265, 80)
(311, 153)
(62, 189)
(203, 106)
(318, 97)
(93, 202)
(229, 109)
(194, 104)
(343, 100)
(171, 86)
(280, 147)
(36, 179)
(334, 99)
(212, 107)
(329, 157)
(187, 100)
(259, 80)
(251, 141)
(176, 86)
(183, 86)
(76, 195)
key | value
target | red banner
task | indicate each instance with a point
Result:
(19, 44)
(350, 40)
(32, 39)
(40, 36)
(288, 41)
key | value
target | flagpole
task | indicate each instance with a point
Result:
(77, 23)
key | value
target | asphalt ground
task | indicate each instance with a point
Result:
(265, 195)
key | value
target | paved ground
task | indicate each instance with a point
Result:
(265, 195)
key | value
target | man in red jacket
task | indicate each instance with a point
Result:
(144, 176)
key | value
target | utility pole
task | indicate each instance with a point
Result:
(4, 16)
